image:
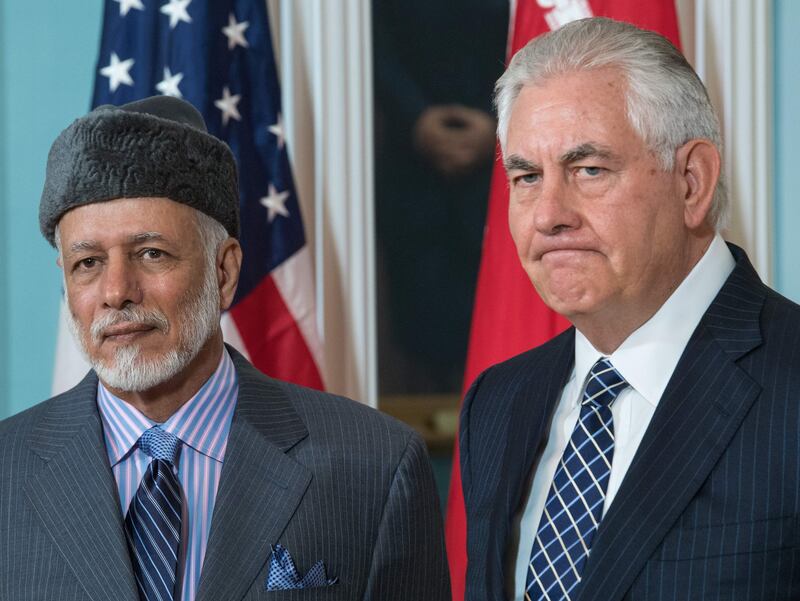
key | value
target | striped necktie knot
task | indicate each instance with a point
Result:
(603, 385)
(160, 444)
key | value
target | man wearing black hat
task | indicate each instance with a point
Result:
(175, 470)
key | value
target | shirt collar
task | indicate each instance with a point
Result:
(201, 423)
(647, 358)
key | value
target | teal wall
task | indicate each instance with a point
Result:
(4, 336)
(787, 133)
(48, 51)
(47, 59)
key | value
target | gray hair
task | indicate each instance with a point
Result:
(667, 104)
(212, 234)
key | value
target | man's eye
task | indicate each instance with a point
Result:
(592, 171)
(152, 253)
(528, 178)
(87, 263)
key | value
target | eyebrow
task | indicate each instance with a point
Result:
(583, 151)
(92, 245)
(586, 150)
(84, 245)
(515, 162)
(146, 237)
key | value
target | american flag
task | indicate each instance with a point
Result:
(218, 55)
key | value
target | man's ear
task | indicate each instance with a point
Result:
(698, 164)
(229, 265)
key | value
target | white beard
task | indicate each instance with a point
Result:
(129, 372)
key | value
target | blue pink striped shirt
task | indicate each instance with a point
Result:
(202, 424)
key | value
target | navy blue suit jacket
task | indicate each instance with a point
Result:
(709, 506)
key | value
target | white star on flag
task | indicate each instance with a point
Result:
(177, 11)
(127, 5)
(235, 33)
(118, 72)
(169, 85)
(227, 104)
(275, 203)
(277, 129)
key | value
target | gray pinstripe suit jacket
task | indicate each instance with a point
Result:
(710, 507)
(327, 478)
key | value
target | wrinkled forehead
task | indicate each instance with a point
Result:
(608, 85)
(571, 111)
(128, 221)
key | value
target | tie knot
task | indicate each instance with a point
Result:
(160, 444)
(604, 384)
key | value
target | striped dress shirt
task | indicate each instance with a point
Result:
(202, 424)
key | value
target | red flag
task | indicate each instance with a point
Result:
(508, 316)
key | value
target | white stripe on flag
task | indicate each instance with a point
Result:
(294, 279)
(231, 334)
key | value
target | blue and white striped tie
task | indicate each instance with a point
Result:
(153, 523)
(574, 505)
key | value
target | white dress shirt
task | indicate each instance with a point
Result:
(646, 359)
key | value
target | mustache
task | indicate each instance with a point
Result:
(131, 315)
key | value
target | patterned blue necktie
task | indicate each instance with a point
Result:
(574, 504)
(153, 523)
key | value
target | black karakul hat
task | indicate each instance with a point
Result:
(156, 147)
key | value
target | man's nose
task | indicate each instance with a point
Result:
(555, 209)
(120, 284)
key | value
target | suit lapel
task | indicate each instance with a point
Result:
(700, 411)
(260, 486)
(75, 496)
(531, 408)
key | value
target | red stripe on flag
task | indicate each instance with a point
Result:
(655, 15)
(273, 340)
(508, 316)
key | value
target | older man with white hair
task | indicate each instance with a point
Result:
(175, 470)
(651, 451)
